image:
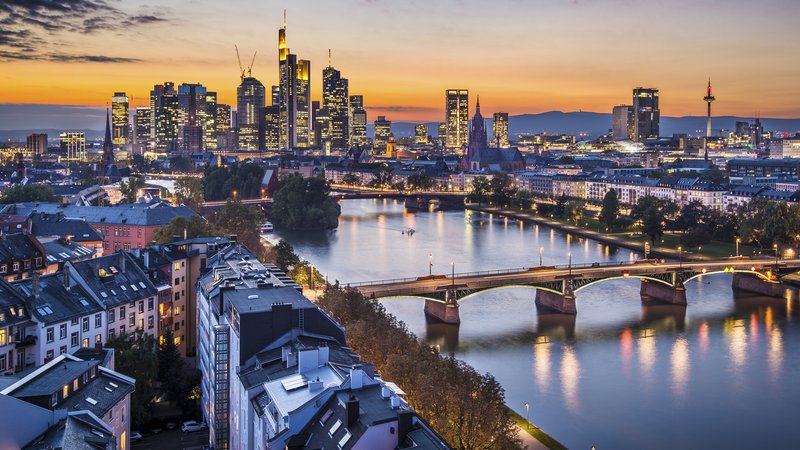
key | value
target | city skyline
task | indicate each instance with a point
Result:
(379, 55)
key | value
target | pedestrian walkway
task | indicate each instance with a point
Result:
(528, 441)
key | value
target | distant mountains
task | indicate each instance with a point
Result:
(591, 123)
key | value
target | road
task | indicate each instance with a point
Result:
(173, 440)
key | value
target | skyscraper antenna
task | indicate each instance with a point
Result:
(284, 19)
(329, 57)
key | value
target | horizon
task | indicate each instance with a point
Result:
(591, 68)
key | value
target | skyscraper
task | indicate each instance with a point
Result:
(294, 95)
(335, 99)
(223, 122)
(141, 128)
(646, 115)
(420, 133)
(250, 97)
(383, 128)
(477, 129)
(269, 128)
(457, 118)
(500, 129)
(73, 145)
(303, 113)
(441, 136)
(36, 144)
(322, 128)
(120, 119)
(210, 122)
(192, 118)
(622, 123)
(164, 117)
(358, 121)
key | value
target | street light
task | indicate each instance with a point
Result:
(527, 416)
(738, 241)
(680, 257)
(775, 247)
(570, 263)
(541, 250)
(430, 264)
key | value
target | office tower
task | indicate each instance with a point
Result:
(477, 129)
(276, 95)
(358, 121)
(303, 104)
(210, 122)
(421, 134)
(192, 117)
(294, 96)
(269, 128)
(223, 122)
(500, 129)
(164, 117)
(250, 96)
(457, 118)
(141, 127)
(622, 123)
(120, 119)
(383, 128)
(322, 129)
(646, 116)
(73, 144)
(37, 144)
(441, 134)
(335, 99)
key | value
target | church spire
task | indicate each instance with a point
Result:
(108, 146)
(478, 105)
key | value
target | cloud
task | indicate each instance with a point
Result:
(402, 108)
(29, 28)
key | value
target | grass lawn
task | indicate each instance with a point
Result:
(535, 431)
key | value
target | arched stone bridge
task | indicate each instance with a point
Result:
(556, 286)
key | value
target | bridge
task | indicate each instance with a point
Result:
(417, 200)
(557, 286)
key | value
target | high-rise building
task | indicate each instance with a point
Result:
(164, 117)
(622, 123)
(322, 129)
(251, 97)
(335, 99)
(73, 145)
(36, 144)
(192, 118)
(646, 116)
(477, 129)
(441, 134)
(500, 129)
(141, 127)
(269, 128)
(276, 95)
(421, 134)
(210, 122)
(457, 118)
(294, 96)
(120, 120)
(358, 121)
(383, 128)
(223, 122)
(303, 103)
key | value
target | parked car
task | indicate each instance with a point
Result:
(171, 425)
(156, 429)
(136, 436)
(192, 426)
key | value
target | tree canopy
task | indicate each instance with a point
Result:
(135, 356)
(130, 189)
(220, 183)
(302, 203)
(189, 191)
(185, 228)
(29, 193)
(610, 211)
(653, 213)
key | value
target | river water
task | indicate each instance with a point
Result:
(720, 373)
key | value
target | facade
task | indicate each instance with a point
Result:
(269, 128)
(164, 117)
(303, 123)
(18, 332)
(20, 254)
(383, 129)
(73, 145)
(192, 117)
(335, 97)
(457, 118)
(141, 128)
(500, 130)
(120, 121)
(477, 130)
(36, 144)
(646, 115)
(357, 121)
(788, 168)
(622, 123)
(421, 134)
(250, 98)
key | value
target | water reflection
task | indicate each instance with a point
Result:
(646, 352)
(679, 365)
(542, 366)
(626, 350)
(570, 377)
(558, 326)
(662, 316)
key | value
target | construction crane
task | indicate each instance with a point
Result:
(250, 67)
(241, 69)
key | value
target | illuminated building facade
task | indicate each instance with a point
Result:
(141, 127)
(358, 121)
(646, 115)
(36, 144)
(120, 121)
(477, 129)
(335, 99)
(223, 122)
(164, 117)
(441, 137)
(421, 134)
(210, 122)
(269, 128)
(303, 112)
(622, 123)
(73, 145)
(457, 118)
(322, 129)
(251, 97)
(293, 96)
(383, 129)
(500, 129)
(192, 118)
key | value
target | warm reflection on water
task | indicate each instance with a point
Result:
(622, 374)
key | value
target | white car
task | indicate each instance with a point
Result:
(136, 436)
(192, 425)
(266, 227)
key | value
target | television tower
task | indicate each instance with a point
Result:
(709, 98)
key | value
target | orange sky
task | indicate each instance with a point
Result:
(520, 56)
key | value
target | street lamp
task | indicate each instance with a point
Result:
(570, 263)
(775, 247)
(430, 264)
(527, 416)
(453, 272)
(541, 250)
(738, 241)
(680, 257)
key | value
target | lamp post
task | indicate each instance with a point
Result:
(570, 263)
(453, 273)
(680, 257)
(738, 241)
(775, 247)
(527, 416)
(430, 264)
(541, 251)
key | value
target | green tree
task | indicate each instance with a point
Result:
(653, 212)
(130, 189)
(284, 255)
(351, 179)
(29, 193)
(573, 210)
(189, 191)
(610, 210)
(193, 227)
(220, 183)
(500, 190)
(420, 181)
(479, 190)
(181, 164)
(382, 178)
(304, 204)
(522, 199)
(135, 356)
(243, 221)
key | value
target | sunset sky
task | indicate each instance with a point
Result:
(521, 56)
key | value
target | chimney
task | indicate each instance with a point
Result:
(405, 424)
(356, 377)
(65, 274)
(351, 405)
(315, 385)
(146, 258)
(35, 284)
(122, 259)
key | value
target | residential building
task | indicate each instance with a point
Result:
(18, 333)
(74, 230)
(788, 168)
(20, 254)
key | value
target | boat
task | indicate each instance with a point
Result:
(266, 227)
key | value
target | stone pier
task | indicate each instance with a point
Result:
(758, 285)
(558, 303)
(442, 312)
(674, 295)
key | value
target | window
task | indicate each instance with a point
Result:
(177, 267)
(50, 335)
(98, 339)
(177, 340)
(62, 350)
(73, 339)
(74, 321)
(177, 326)
(98, 320)
(122, 313)
(177, 296)
(150, 321)
(3, 336)
(49, 356)
(2, 363)
(62, 331)
(74, 385)
(177, 281)
(65, 391)
(3, 268)
(85, 324)
(141, 306)
(111, 317)
(177, 310)
(85, 343)
(141, 324)
(150, 303)
(111, 333)
(27, 264)
(131, 319)
(16, 267)
(122, 329)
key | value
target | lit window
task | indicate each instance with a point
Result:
(65, 391)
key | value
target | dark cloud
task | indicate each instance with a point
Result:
(30, 28)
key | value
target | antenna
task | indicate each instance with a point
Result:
(329, 57)
(250, 67)
(241, 70)
(284, 19)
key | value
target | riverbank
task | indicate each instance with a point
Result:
(617, 240)
(533, 437)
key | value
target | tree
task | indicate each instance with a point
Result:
(522, 199)
(191, 228)
(479, 190)
(653, 213)
(351, 179)
(500, 190)
(610, 211)
(381, 178)
(304, 204)
(36, 192)
(573, 209)
(220, 183)
(181, 164)
(420, 181)
(189, 191)
(285, 255)
(691, 215)
(135, 356)
(243, 221)
(130, 190)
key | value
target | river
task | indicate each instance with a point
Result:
(720, 373)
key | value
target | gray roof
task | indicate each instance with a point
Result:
(53, 379)
(140, 214)
(96, 390)
(80, 430)
(58, 225)
(18, 246)
(59, 251)
(123, 282)
(11, 304)
(56, 304)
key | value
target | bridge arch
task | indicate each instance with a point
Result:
(750, 272)
(641, 277)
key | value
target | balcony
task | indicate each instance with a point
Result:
(27, 341)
